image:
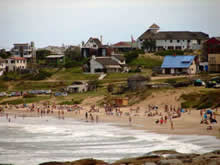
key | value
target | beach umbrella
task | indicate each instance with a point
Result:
(209, 111)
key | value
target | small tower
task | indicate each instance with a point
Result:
(154, 28)
(34, 58)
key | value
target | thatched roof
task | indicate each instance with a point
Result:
(137, 78)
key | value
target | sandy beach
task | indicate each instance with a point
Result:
(187, 124)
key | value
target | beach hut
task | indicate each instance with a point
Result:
(121, 101)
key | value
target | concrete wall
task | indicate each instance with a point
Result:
(193, 44)
(214, 62)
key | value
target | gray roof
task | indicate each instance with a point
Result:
(106, 61)
(119, 57)
(174, 35)
(55, 56)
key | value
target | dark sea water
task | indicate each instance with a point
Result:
(35, 140)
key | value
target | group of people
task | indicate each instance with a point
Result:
(208, 117)
(164, 114)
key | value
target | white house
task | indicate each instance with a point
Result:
(177, 40)
(77, 87)
(105, 65)
(25, 50)
(179, 65)
(13, 64)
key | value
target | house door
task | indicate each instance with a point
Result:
(167, 71)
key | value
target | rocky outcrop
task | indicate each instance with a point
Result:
(163, 157)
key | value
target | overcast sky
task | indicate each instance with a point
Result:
(57, 22)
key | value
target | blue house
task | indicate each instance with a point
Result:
(177, 64)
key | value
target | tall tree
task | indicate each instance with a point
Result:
(41, 54)
(4, 54)
(149, 45)
(73, 53)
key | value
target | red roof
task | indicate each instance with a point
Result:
(213, 41)
(122, 44)
(18, 58)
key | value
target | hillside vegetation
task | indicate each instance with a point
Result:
(201, 100)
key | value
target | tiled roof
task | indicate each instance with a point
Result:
(124, 44)
(18, 58)
(177, 61)
(171, 35)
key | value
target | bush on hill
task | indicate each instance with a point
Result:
(146, 62)
(169, 52)
(132, 55)
(201, 100)
(42, 75)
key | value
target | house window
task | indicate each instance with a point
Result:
(178, 41)
(183, 40)
(12, 61)
(94, 45)
(188, 41)
(199, 42)
(6, 61)
(171, 41)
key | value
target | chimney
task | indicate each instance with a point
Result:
(101, 39)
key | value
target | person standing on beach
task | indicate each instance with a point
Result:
(130, 120)
(86, 115)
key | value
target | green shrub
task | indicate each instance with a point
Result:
(154, 74)
(42, 75)
(171, 81)
(72, 102)
(29, 96)
(132, 55)
(201, 100)
(146, 62)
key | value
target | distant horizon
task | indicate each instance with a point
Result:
(53, 23)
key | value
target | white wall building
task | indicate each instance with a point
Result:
(2, 66)
(25, 50)
(176, 40)
(105, 65)
(13, 64)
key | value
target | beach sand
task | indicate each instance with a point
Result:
(187, 124)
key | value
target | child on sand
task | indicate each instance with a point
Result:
(171, 124)
(130, 120)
